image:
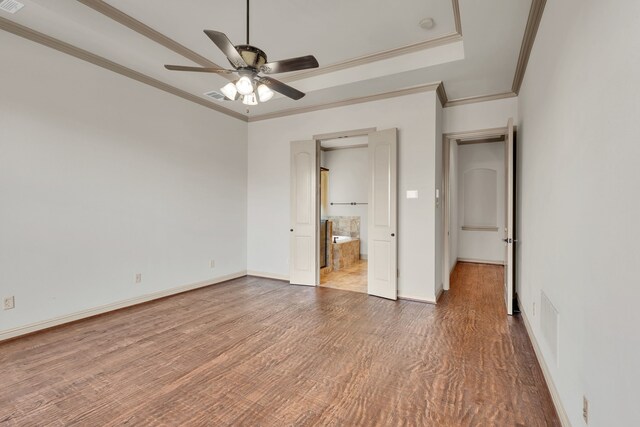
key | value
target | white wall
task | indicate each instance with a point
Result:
(579, 205)
(268, 213)
(102, 177)
(481, 245)
(349, 182)
(480, 115)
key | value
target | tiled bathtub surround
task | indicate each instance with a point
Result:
(346, 226)
(345, 253)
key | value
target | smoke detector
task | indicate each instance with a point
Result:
(11, 6)
(427, 23)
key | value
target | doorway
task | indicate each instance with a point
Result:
(478, 190)
(379, 257)
(344, 200)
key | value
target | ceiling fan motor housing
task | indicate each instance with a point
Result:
(252, 56)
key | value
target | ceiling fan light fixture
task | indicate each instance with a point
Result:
(230, 91)
(244, 85)
(264, 93)
(250, 99)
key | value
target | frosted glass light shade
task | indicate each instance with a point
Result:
(250, 99)
(229, 90)
(244, 85)
(264, 93)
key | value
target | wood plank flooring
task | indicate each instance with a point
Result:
(259, 352)
(352, 278)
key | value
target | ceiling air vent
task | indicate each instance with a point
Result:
(11, 6)
(215, 95)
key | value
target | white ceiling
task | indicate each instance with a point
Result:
(482, 63)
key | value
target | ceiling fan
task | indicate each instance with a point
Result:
(248, 62)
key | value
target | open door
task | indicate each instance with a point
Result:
(509, 243)
(383, 247)
(304, 203)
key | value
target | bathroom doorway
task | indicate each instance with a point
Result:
(344, 200)
(381, 202)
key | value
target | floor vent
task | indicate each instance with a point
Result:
(11, 6)
(215, 95)
(549, 325)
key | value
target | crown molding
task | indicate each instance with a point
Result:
(442, 95)
(45, 40)
(530, 32)
(481, 98)
(143, 29)
(378, 56)
(350, 101)
(456, 16)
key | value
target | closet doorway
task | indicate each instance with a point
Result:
(479, 217)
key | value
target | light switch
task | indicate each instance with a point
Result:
(412, 194)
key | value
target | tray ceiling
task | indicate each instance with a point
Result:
(482, 61)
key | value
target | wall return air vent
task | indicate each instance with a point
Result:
(11, 6)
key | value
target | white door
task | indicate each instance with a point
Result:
(304, 202)
(383, 247)
(508, 231)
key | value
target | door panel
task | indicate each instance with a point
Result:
(383, 249)
(508, 235)
(303, 230)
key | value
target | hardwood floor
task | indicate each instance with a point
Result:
(352, 278)
(260, 352)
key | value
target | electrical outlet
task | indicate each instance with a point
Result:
(138, 277)
(585, 409)
(212, 263)
(9, 303)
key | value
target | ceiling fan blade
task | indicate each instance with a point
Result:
(225, 45)
(198, 69)
(292, 64)
(282, 88)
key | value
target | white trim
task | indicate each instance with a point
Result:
(555, 396)
(416, 299)
(60, 320)
(266, 275)
(479, 261)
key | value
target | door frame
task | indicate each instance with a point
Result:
(468, 137)
(318, 140)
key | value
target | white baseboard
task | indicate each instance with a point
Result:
(562, 414)
(415, 299)
(56, 321)
(268, 275)
(480, 261)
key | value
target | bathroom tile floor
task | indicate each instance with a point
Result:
(352, 278)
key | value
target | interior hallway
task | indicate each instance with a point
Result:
(255, 351)
(352, 278)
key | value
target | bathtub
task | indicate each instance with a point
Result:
(345, 251)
